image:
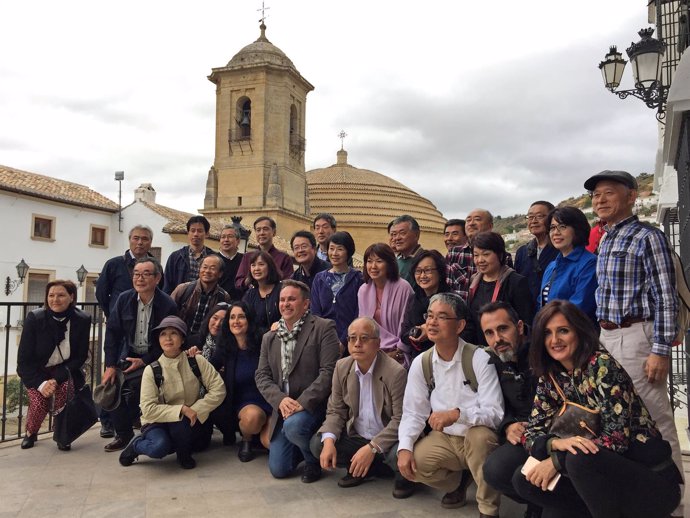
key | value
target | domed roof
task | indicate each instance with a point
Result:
(362, 197)
(260, 52)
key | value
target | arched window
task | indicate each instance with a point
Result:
(244, 118)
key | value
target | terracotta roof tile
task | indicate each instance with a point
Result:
(49, 188)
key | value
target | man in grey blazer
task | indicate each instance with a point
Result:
(361, 427)
(294, 376)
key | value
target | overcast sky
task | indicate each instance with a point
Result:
(490, 104)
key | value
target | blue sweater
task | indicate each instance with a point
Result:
(342, 308)
(574, 279)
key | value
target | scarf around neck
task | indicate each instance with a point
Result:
(288, 340)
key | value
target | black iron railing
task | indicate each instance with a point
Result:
(14, 402)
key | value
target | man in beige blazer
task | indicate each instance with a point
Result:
(361, 427)
(294, 377)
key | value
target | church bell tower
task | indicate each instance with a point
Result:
(260, 138)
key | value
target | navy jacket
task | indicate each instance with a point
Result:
(527, 265)
(343, 308)
(122, 324)
(317, 266)
(37, 345)
(177, 268)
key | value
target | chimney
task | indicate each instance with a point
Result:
(145, 192)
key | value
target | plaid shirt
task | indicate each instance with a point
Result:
(460, 268)
(637, 280)
(195, 264)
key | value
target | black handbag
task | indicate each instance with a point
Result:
(574, 419)
(78, 415)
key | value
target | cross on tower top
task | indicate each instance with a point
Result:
(263, 12)
(342, 136)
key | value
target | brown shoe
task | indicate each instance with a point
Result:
(120, 443)
(402, 487)
(457, 498)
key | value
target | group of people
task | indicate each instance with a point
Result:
(542, 379)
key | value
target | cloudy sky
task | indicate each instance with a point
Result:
(490, 104)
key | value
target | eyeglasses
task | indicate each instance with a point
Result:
(425, 271)
(363, 339)
(142, 275)
(560, 227)
(441, 318)
(299, 248)
(535, 217)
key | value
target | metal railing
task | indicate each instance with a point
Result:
(14, 401)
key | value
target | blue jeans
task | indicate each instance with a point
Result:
(290, 443)
(161, 439)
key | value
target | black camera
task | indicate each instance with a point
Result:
(415, 332)
(123, 365)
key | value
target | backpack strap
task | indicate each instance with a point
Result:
(157, 373)
(467, 367)
(197, 372)
(427, 370)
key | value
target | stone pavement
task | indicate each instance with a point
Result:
(87, 482)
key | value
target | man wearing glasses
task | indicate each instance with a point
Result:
(303, 244)
(360, 432)
(127, 347)
(463, 421)
(532, 259)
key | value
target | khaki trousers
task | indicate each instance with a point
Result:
(440, 459)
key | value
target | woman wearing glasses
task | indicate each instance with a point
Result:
(384, 297)
(572, 276)
(429, 270)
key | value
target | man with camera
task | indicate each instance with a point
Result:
(127, 347)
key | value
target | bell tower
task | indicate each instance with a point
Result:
(260, 138)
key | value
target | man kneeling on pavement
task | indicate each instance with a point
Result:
(360, 432)
(462, 420)
(505, 334)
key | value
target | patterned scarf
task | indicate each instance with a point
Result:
(288, 340)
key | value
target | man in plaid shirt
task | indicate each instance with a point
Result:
(637, 301)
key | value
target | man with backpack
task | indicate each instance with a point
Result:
(462, 414)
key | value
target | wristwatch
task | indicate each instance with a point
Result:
(373, 448)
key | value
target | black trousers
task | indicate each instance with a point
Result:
(499, 468)
(128, 411)
(604, 485)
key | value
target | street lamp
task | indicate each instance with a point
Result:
(81, 275)
(242, 232)
(22, 270)
(646, 57)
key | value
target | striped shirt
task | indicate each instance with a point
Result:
(637, 280)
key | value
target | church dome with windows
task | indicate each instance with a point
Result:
(360, 198)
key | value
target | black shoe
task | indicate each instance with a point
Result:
(402, 487)
(107, 431)
(311, 473)
(457, 498)
(120, 443)
(350, 481)
(64, 447)
(186, 461)
(28, 441)
(245, 454)
(129, 454)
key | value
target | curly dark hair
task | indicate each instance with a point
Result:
(227, 340)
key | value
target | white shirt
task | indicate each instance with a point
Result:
(481, 408)
(60, 353)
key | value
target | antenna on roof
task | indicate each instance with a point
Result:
(342, 136)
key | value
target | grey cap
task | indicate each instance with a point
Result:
(615, 176)
(171, 321)
(107, 396)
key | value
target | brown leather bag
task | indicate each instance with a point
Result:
(574, 419)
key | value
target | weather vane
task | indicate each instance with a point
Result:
(342, 136)
(263, 12)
